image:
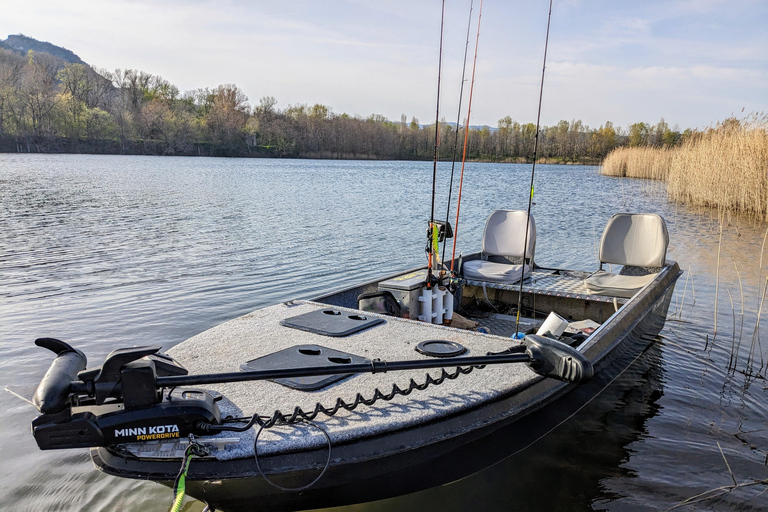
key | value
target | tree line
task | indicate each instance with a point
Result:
(49, 105)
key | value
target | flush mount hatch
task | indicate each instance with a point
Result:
(331, 322)
(304, 356)
(440, 348)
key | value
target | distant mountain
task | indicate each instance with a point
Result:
(474, 126)
(20, 43)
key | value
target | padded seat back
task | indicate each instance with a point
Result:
(635, 239)
(504, 234)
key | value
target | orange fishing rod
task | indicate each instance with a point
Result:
(466, 137)
(458, 125)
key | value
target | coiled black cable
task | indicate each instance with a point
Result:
(299, 414)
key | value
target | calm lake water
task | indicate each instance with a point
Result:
(111, 251)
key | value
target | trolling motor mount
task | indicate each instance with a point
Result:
(118, 402)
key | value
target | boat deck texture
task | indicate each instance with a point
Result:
(225, 347)
(564, 283)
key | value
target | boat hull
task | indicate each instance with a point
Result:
(425, 456)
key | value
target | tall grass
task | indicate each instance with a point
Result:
(638, 162)
(724, 167)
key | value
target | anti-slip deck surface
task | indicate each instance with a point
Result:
(225, 347)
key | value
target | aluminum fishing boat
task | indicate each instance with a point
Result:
(372, 391)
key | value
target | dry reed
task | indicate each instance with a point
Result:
(638, 162)
(724, 167)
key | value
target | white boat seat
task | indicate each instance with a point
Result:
(504, 236)
(617, 285)
(632, 240)
(481, 270)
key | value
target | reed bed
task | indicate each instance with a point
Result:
(638, 162)
(725, 167)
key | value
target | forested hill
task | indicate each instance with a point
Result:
(50, 101)
(21, 44)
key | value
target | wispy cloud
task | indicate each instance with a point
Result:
(687, 60)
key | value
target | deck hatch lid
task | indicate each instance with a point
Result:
(302, 356)
(331, 322)
(440, 348)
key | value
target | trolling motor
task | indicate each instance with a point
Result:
(124, 400)
(118, 402)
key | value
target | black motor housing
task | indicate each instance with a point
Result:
(175, 417)
(53, 392)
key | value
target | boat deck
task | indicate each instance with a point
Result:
(261, 333)
(225, 347)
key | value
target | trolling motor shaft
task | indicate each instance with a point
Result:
(123, 400)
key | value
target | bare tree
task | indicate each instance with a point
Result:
(228, 114)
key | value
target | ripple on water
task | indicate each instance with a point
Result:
(109, 251)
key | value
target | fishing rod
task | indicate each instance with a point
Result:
(466, 137)
(533, 171)
(432, 231)
(458, 123)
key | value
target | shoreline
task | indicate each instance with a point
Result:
(63, 146)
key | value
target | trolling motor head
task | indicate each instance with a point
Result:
(557, 360)
(118, 402)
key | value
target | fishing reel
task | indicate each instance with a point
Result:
(118, 402)
(444, 230)
(437, 232)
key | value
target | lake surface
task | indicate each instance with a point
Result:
(111, 251)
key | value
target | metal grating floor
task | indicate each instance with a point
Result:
(504, 325)
(564, 283)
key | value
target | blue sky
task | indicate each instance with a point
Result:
(691, 62)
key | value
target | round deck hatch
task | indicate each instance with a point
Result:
(440, 348)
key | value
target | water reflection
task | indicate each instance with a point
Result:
(551, 473)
